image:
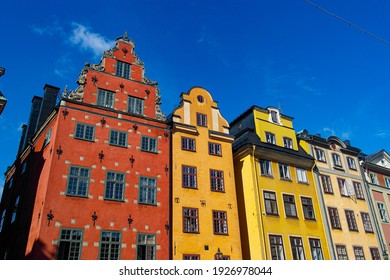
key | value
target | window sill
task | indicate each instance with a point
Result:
(286, 179)
(87, 140)
(119, 146)
(113, 199)
(76, 195)
(147, 204)
(340, 168)
(267, 175)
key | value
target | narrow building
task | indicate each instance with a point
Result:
(279, 213)
(204, 205)
(376, 171)
(350, 228)
(92, 182)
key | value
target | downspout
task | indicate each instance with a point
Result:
(258, 203)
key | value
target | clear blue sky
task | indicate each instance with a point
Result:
(331, 77)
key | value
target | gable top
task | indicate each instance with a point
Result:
(381, 158)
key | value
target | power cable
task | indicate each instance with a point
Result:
(348, 22)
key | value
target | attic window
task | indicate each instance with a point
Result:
(274, 116)
(200, 99)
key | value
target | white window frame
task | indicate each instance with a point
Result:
(301, 175)
(288, 143)
(382, 212)
(266, 168)
(270, 137)
(284, 171)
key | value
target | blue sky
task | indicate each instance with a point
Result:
(331, 77)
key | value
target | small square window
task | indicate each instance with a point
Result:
(201, 119)
(188, 144)
(215, 149)
(288, 143)
(118, 138)
(270, 138)
(84, 132)
(284, 171)
(149, 144)
(105, 98)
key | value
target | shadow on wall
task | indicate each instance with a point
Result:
(40, 251)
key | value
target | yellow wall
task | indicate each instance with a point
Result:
(251, 184)
(184, 119)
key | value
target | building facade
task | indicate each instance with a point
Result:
(93, 181)
(204, 205)
(279, 211)
(352, 234)
(376, 170)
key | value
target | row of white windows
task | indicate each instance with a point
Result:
(287, 142)
(337, 162)
(106, 98)
(71, 241)
(284, 171)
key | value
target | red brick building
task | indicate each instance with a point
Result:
(93, 180)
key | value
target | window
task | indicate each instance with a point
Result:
(374, 178)
(135, 105)
(270, 138)
(336, 160)
(326, 184)
(84, 132)
(387, 181)
(188, 144)
(301, 175)
(122, 69)
(189, 177)
(284, 171)
(146, 246)
(118, 138)
(375, 254)
(334, 218)
(69, 244)
(200, 98)
(382, 212)
(190, 220)
(216, 180)
(367, 222)
(78, 181)
(24, 167)
(147, 190)
(359, 254)
(308, 209)
(220, 222)
(149, 144)
(110, 245)
(352, 225)
(287, 142)
(297, 248)
(2, 219)
(320, 155)
(342, 187)
(289, 206)
(274, 116)
(266, 168)
(47, 137)
(201, 119)
(315, 247)
(105, 98)
(115, 185)
(215, 149)
(271, 206)
(351, 163)
(191, 257)
(276, 246)
(341, 252)
(358, 190)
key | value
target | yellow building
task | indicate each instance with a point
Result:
(204, 203)
(279, 211)
(350, 224)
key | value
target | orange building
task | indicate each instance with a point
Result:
(93, 180)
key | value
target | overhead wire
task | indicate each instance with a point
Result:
(348, 22)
